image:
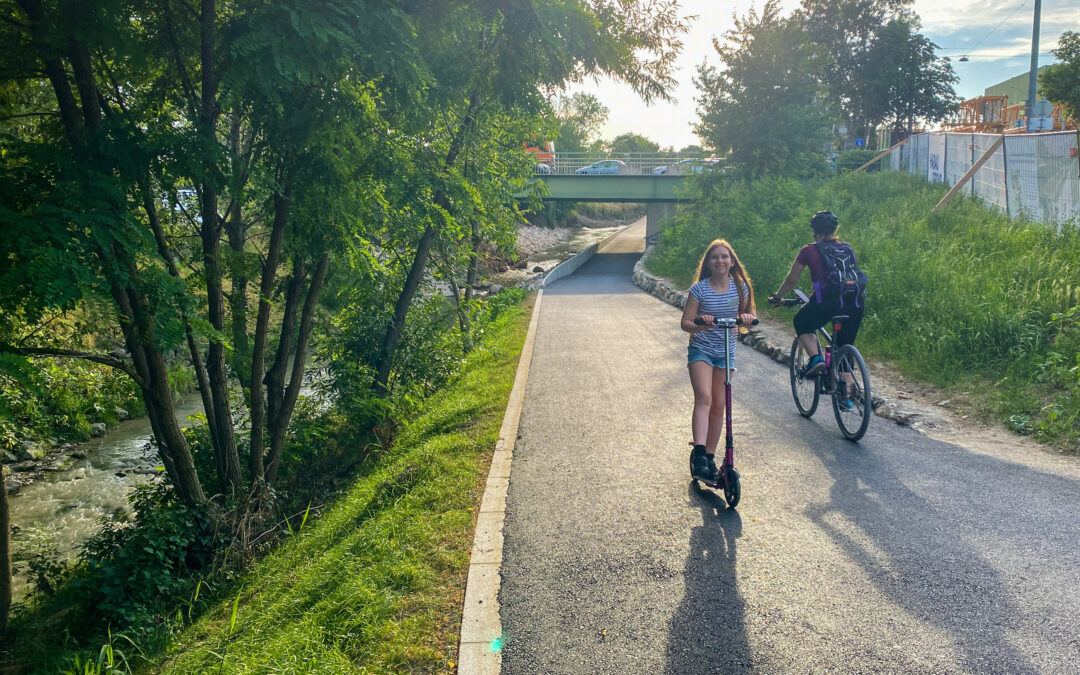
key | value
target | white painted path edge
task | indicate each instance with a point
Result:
(481, 627)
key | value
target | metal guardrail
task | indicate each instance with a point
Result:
(625, 164)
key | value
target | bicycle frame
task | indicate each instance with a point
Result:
(825, 383)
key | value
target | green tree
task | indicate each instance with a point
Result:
(494, 60)
(197, 175)
(631, 142)
(1060, 82)
(908, 80)
(579, 116)
(765, 107)
(847, 31)
(145, 160)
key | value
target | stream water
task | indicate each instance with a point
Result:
(66, 507)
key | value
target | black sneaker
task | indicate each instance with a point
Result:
(701, 466)
(711, 461)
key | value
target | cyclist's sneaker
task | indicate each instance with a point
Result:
(847, 404)
(702, 466)
(815, 365)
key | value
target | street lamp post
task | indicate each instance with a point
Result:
(1033, 75)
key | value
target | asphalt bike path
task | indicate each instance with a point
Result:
(899, 553)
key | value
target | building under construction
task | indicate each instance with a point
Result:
(992, 113)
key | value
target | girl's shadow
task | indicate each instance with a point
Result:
(707, 633)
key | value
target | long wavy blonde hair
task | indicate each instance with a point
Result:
(743, 286)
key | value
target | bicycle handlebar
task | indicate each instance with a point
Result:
(698, 321)
(786, 302)
(799, 299)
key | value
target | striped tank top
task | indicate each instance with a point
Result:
(723, 305)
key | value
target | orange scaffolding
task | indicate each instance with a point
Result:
(994, 115)
(980, 115)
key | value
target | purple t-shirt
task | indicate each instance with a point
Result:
(809, 256)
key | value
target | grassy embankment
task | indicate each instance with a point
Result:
(965, 299)
(376, 584)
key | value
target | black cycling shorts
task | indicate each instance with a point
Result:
(814, 315)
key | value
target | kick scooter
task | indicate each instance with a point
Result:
(727, 478)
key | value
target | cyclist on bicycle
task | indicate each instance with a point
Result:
(821, 308)
(722, 290)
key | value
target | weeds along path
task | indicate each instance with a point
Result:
(900, 553)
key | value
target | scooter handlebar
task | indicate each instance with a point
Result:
(698, 321)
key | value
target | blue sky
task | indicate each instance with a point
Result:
(994, 34)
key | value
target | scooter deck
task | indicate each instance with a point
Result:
(717, 483)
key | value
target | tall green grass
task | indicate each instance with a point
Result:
(954, 295)
(375, 584)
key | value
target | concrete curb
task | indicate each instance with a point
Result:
(568, 267)
(776, 344)
(479, 646)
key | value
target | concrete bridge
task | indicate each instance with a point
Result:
(656, 179)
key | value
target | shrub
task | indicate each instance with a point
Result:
(849, 160)
(129, 569)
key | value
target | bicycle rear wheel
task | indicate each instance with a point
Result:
(803, 389)
(852, 421)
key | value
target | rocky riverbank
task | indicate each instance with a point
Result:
(541, 249)
(31, 460)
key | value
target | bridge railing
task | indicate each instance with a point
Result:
(624, 164)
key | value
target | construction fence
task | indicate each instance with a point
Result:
(1031, 176)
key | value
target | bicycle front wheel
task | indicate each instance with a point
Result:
(851, 400)
(803, 389)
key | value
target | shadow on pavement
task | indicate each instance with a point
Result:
(708, 633)
(918, 559)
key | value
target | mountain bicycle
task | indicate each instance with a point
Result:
(727, 478)
(845, 378)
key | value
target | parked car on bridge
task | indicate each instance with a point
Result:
(687, 166)
(545, 168)
(607, 166)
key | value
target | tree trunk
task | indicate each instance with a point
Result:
(275, 377)
(5, 556)
(224, 439)
(401, 309)
(423, 251)
(234, 229)
(193, 347)
(137, 325)
(262, 323)
(279, 421)
(463, 318)
(474, 262)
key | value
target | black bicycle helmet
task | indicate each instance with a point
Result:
(824, 222)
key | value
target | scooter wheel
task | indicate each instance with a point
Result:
(732, 489)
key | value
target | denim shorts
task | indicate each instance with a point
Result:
(695, 354)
